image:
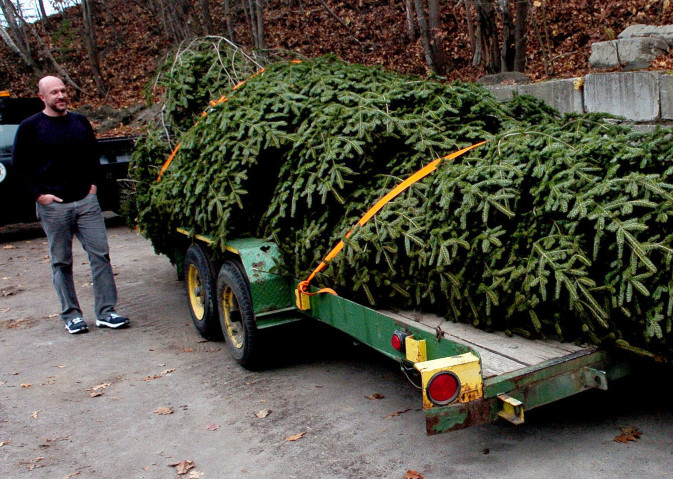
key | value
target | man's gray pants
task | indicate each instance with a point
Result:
(84, 219)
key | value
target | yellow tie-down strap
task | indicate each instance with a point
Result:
(466, 367)
(302, 293)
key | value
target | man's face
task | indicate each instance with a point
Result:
(55, 97)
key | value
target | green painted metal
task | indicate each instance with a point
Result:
(269, 290)
(375, 329)
(279, 317)
(534, 386)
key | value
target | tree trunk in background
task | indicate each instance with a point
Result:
(411, 27)
(207, 19)
(16, 36)
(520, 29)
(227, 20)
(508, 45)
(89, 34)
(437, 38)
(425, 34)
(173, 16)
(470, 25)
(43, 12)
(487, 36)
(259, 14)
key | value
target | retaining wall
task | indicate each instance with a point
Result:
(640, 97)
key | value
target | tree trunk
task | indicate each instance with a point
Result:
(488, 35)
(227, 20)
(520, 29)
(259, 15)
(411, 27)
(437, 38)
(249, 10)
(43, 12)
(425, 34)
(16, 37)
(470, 26)
(91, 45)
(207, 18)
(508, 49)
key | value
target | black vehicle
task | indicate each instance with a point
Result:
(15, 206)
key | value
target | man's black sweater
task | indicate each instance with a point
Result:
(56, 155)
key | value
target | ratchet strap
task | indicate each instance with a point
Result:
(302, 287)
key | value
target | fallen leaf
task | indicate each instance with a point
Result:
(375, 396)
(72, 474)
(4, 443)
(5, 310)
(413, 475)
(15, 373)
(168, 371)
(9, 246)
(295, 437)
(212, 427)
(2, 383)
(195, 475)
(26, 385)
(151, 378)
(60, 366)
(95, 394)
(163, 411)
(187, 350)
(263, 413)
(100, 386)
(183, 466)
(52, 315)
(35, 413)
(398, 413)
(628, 434)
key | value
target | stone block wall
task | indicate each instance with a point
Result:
(640, 97)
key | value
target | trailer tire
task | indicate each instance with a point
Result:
(237, 317)
(199, 274)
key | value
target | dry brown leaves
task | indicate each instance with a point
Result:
(183, 466)
(263, 413)
(395, 414)
(411, 474)
(295, 437)
(628, 434)
(163, 411)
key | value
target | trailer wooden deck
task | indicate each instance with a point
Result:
(499, 353)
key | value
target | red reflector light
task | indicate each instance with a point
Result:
(397, 340)
(443, 388)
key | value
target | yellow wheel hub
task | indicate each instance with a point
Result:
(232, 317)
(195, 289)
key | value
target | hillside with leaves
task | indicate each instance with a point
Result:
(371, 32)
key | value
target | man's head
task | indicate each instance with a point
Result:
(52, 92)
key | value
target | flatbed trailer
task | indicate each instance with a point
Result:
(468, 376)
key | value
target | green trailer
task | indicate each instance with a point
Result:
(468, 376)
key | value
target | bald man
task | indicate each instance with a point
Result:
(55, 158)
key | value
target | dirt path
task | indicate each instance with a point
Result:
(55, 424)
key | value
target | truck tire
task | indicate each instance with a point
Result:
(237, 318)
(200, 278)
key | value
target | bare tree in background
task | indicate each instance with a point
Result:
(411, 26)
(228, 20)
(254, 12)
(511, 56)
(431, 35)
(40, 6)
(207, 18)
(17, 37)
(174, 17)
(89, 37)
